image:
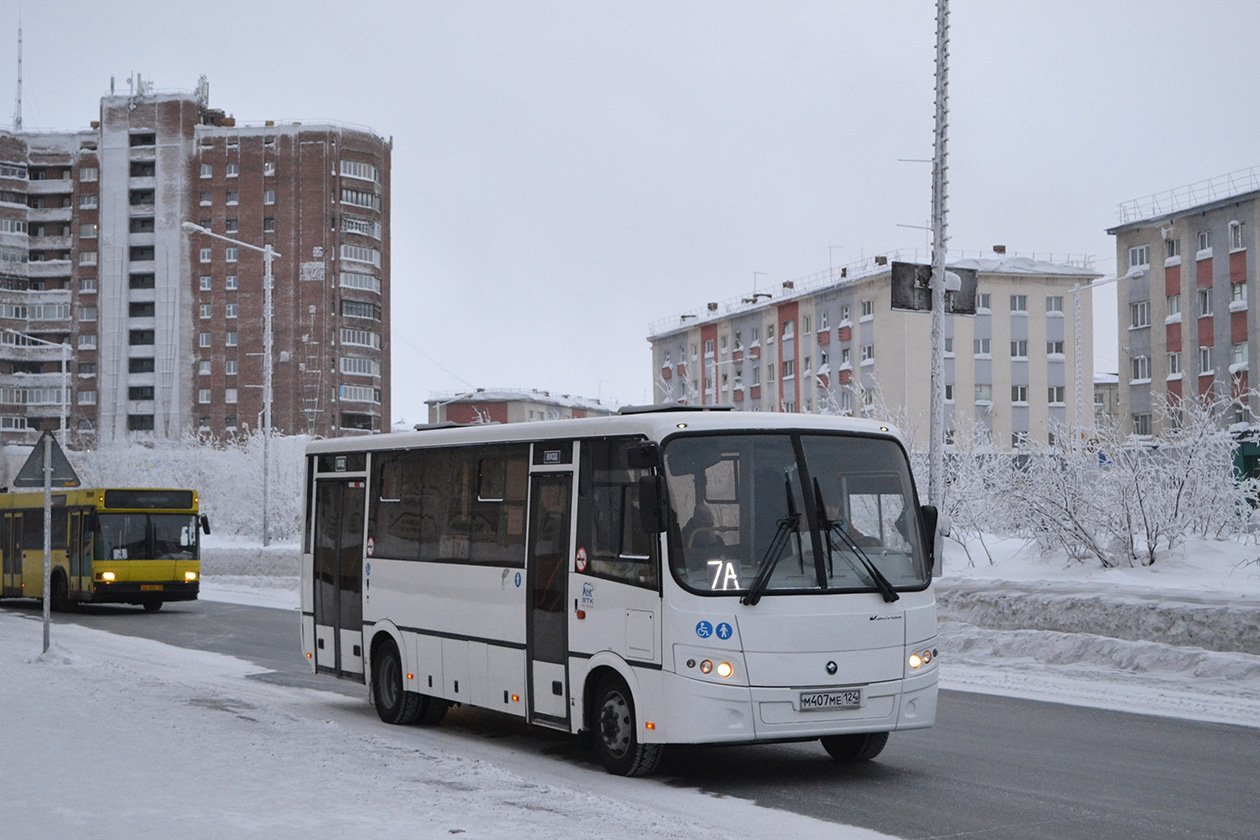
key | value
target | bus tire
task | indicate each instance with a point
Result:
(152, 605)
(432, 710)
(851, 748)
(615, 732)
(393, 704)
(59, 601)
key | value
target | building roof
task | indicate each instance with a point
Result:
(533, 395)
(1242, 185)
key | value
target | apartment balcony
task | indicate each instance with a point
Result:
(33, 353)
(33, 380)
(49, 214)
(48, 268)
(51, 243)
(51, 186)
(33, 298)
(147, 182)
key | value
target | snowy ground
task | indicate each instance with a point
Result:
(161, 741)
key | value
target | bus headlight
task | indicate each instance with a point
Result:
(724, 669)
(920, 658)
(190, 576)
(108, 576)
(706, 667)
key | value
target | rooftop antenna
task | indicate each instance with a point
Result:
(17, 106)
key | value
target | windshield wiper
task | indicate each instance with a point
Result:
(774, 551)
(837, 528)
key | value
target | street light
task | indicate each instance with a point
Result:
(65, 375)
(268, 254)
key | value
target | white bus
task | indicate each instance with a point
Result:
(657, 577)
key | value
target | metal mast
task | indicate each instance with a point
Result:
(936, 450)
(17, 107)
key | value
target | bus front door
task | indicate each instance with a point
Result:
(338, 596)
(80, 555)
(12, 549)
(547, 644)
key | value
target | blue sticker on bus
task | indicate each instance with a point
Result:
(704, 629)
(724, 631)
(518, 580)
(551, 456)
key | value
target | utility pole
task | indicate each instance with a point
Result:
(940, 183)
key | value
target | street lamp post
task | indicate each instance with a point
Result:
(268, 254)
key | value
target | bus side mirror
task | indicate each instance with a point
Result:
(205, 523)
(651, 502)
(931, 517)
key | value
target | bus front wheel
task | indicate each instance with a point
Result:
(152, 605)
(850, 748)
(615, 733)
(393, 704)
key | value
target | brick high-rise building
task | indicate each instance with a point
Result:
(166, 327)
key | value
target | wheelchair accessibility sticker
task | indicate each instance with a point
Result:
(705, 629)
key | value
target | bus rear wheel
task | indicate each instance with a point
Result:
(615, 733)
(152, 606)
(393, 704)
(60, 598)
(851, 748)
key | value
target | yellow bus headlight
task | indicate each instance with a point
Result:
(107, 575)
(190, 576)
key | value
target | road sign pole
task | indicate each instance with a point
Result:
(48, 471)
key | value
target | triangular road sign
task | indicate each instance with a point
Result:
(32, 472)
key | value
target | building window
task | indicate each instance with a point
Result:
(1141, 368)
(269, 167)
(1142, 424)
(87, 398)
(789, 329)
(949, 346)
(1019, 349)
(229, 367)
(868, 352)
(1019, 394)
(229, 282)
(269, 196)
(87, 202)
(1140, 314)
(358, 198)
(1174, 304)
(205, 282)
(206, 254)
(1235, 236)
(87, 313)
(229, 396)
(1054, 348)
(230, 253)
(1205, 360)
(87, 258)
(359, 169)
(708, 348)
(87, 285)
(88, 231)
(1237, 355)
(1174, 363)
(140, 392)
(203, 367)
(230, 338)
(949, 393)
(789, 368)
(1055, 393)
(770, 372)
(1054, 303)
(1205, 302)
(1139, 256)
(982, 347)
(203, 339)
(1019, 440)
(232, 225)
(203, 395)
(87, 369)
(1172, 248)
(87, 342)
(206, 198)
(233, 170)
(358, 253)
(229, 421)
(1019, 303)
(232, 197)
(982, 301)
(822, 320)
(844, 313)
(140, 337)
(769, 333)
(845, 357)
(204, 311)
(805, 323)
(1237, 295)
(207, 170)
(88, 174)
(269, 224)
(984, 393)
(230, 310)
(1205, 240)
(868, 308)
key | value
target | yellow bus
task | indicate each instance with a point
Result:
(111, 545)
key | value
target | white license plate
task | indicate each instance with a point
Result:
(819, 701)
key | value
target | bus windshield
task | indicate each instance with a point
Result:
(148, 536)
(778, 513)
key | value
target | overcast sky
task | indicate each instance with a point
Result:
(565, 173)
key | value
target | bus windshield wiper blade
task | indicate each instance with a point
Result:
(774, 551)
(837, 528)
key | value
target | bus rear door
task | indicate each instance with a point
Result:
(12, 548)
(338, 578)
(79, 556)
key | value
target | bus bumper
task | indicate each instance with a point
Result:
(137, 592)
(714, 713)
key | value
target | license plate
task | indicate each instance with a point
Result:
(818, 701)
(149, 586)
